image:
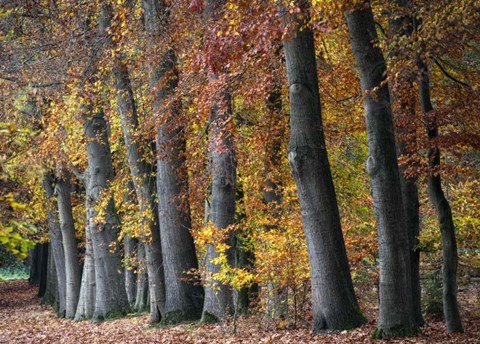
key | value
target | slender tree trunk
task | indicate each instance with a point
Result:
(144, 185)
(444, 215)
(141, 299)
(72, 265)
(86, 299)
(56, 243)
(277, 303)
(396, 315)
(334, 303)
(130, 247)
(401, 26)
(111, 297)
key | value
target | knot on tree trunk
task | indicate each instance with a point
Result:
(371, 165)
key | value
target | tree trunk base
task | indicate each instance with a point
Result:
(209, 318)
(325, 326)
(395, 332)
(180, 317)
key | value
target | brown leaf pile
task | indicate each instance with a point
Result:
(23, 320)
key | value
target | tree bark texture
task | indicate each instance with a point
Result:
(111, 296)
(144, 185)
(401, 27)
(396, 315)
(334, 303)
(130, 247)
(444, 215)
(50, 296)
(184, 300)
(69, 239)
(56, 243)
(86, 299)
(141, 298)
(219, 297)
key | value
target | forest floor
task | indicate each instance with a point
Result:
(24, 320)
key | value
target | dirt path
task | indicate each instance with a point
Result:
(23, 320)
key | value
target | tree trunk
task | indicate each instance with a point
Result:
(219, 297)
(111, 297)
(277, 302)
(72, 265)
(444, 215)
(56, 243)
(334, 303)
(396, 315)
(183, 300)
(43, 268)
(86, 299)
(401, 27)
(141, 299)
(130, 247)
(50, 296)
(144, 185)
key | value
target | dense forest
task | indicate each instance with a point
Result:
(215, 160)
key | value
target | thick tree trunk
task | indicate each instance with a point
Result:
(219, 297)
(130, 247)
(184, 300)
(86, 300)
(144, 185)
(444, 215)
(72, 265)
(334, 303)
(401, 27)
(56, 243)
(396, 315)
(50, 296)
(141, 298)
(111, 297)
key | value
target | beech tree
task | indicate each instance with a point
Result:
(396, 312)
(69, 240)
(334, 302)
(444, 214)
(219, 297)
(401, 25)
(184, 300)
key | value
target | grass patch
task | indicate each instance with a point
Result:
(13, 273)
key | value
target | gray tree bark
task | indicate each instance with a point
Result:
(444, 215)
(334, 303)
(184, 300)
(51, 292)
(401, 26)
(130, 247)
(144, 183)
(111, 297)
(56, 242)
(219, 297)
(86, 299)
(72, 265)
(396, 313)
(141, 299)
